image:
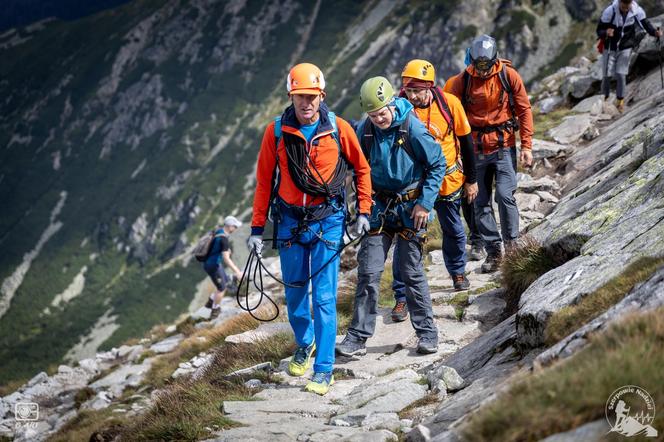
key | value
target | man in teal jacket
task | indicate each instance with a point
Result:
(407, 169)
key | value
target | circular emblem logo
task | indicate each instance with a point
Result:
(630, 411)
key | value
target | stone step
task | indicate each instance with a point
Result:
(312, 408)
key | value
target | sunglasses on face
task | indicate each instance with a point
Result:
(483, 64)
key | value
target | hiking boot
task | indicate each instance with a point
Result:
(351, 347)
(620, 105)
(491, 263)
(460, 282)
(320, 383)
(477, 253)
(427, 346)
(301, 360)
(214, 313)
(209, 303)
(400, 312)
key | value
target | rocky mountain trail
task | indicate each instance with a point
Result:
(370, 391)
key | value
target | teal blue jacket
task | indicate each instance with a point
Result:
(392, 169)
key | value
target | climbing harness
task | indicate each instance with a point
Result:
(253, 275)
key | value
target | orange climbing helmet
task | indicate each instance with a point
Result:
(305, 78)
(418, 73)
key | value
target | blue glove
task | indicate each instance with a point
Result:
(255, 242)
(362, 225)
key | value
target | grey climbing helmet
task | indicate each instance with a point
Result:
(483, 52)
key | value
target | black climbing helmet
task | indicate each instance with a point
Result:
(483, 52)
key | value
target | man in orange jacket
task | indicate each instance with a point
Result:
(444, 117)
(300, 176)
(497, 105)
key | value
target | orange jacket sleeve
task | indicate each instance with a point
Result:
(522, 107)
(352, 151)
(454, 86)
(265, 175)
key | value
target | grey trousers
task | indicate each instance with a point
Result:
(504, 171)
(616, 63)
(371, 263)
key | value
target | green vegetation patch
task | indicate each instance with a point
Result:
(522, 265)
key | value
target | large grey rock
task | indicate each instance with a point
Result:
(167, 345)
(386, 394)
(547, 149)
(529, 184)
(644, 297)
(382, 421)
(487, 308)
(124, 376)
(264, 331)
(612, 217)
(560, 287)
(591, 105)
(549, 104)
(571, 129)
(102, 400)
(451, 381)
(595, 431)
(579, 86)
(648, 49)
(527, 201)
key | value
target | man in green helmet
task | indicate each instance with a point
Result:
(407, 169)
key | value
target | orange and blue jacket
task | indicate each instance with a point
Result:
(323, 153)
(488, 105)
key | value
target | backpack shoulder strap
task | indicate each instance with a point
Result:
(277, 130)
(507, 88)
(333, 121)
(444, 108)
(465, 98)
(366, 141)
(404, 138)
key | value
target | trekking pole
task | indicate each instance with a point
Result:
(659, 54)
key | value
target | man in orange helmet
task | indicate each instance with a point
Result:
(300, 177)
(497, 105)
(445, 119)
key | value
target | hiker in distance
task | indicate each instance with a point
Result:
(218, 260)
(497, 106)
(407, 169)
(444, 117)
(620, 28)
(300, 178)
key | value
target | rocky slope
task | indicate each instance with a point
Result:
(128, 133)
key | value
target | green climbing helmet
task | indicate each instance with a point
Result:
(375, 93)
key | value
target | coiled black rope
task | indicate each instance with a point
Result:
(253, 274)
(300, 166)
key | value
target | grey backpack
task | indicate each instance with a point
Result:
(204, 245)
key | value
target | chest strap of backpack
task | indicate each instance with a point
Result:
(444, 110)
(402, 140)
(509, 126)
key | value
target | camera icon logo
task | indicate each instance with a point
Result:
(26, 411)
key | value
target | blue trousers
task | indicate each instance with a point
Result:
(303, 251)
(215, 269)
(454, 245)
(502, 166)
